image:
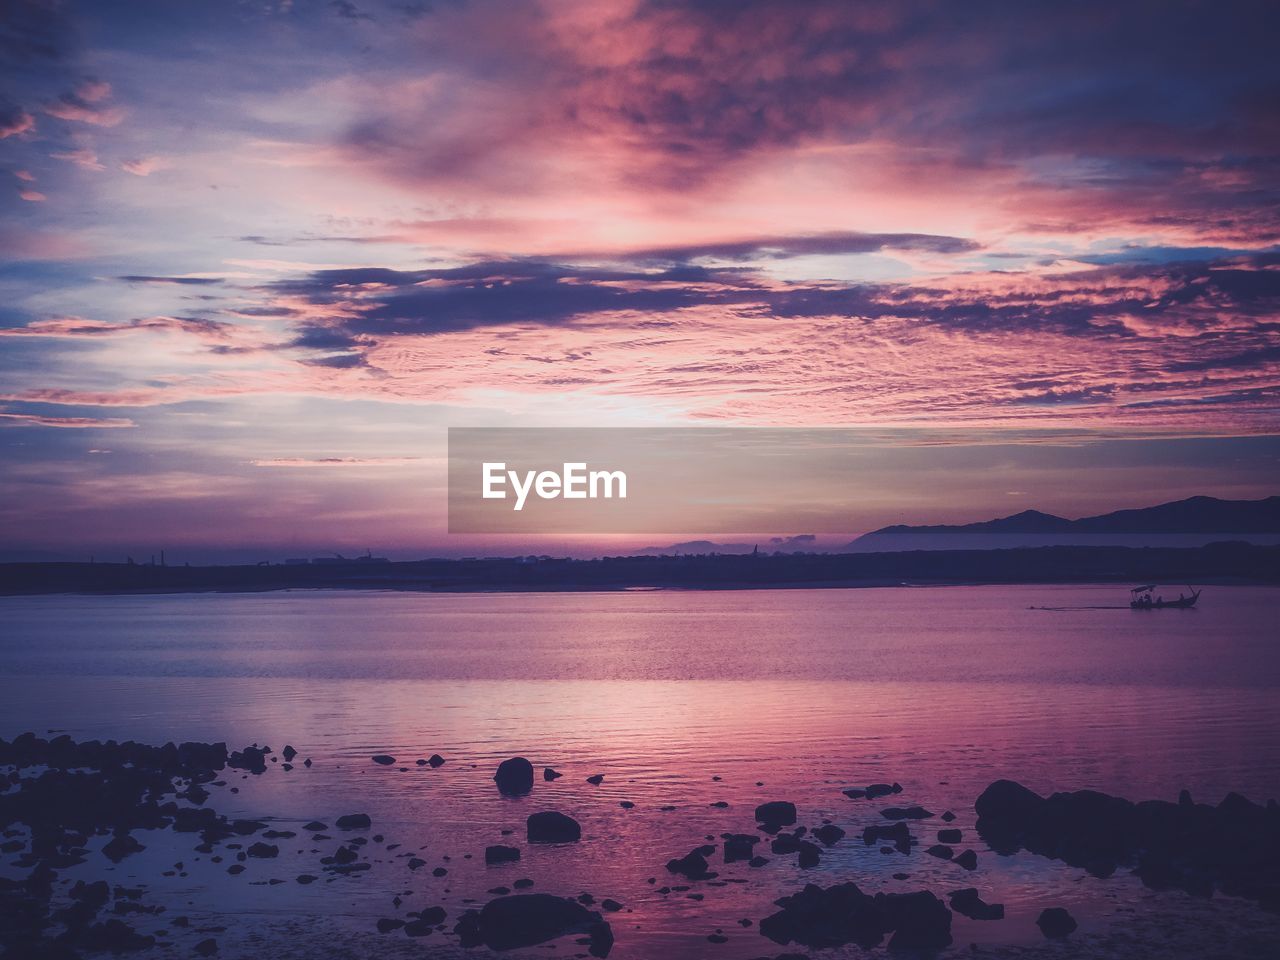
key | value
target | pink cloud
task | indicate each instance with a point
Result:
(35, 420)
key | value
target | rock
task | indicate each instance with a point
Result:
(905, 813)
(315, 826)
(613, 906)
(596, 779)
(757, 862)
(828, 834)
(387, 924)
(693, 864)
(120, 846)
(523, 883)
(354, 821)
(898, 833)
(306, 878)
(920, 921)
(941, 851)
(968, 860)
(880, 790)
(514, 777)
(948, 817)
(855, 793)
(416, 863)
(1056, 922)
(384, 759)
(435, 760)
(776, 813)
(1007, 800)
(263, 851)
(950, 836)
(548, 774)
(626, 804)
(967, 903)
(841, 914)
(550, 826)
(439, 872)
(717, 938)
(810, 855)
(739, 846)
(525, 920)
(206, 948)
(288, 753)
(500, 854)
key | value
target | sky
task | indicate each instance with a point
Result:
(256, 258)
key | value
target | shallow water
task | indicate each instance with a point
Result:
(806, 691)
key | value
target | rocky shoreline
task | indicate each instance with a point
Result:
(58, 794)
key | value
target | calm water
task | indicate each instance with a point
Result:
(806, 691)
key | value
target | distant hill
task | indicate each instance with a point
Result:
(1184, 520)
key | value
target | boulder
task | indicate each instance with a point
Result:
(1056, 922)
(550, 826)
(967, 903)
(776, 813)
(525, 920)
(500, 854)
(514, 777)
(354, 821)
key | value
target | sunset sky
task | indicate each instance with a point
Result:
(258, 257)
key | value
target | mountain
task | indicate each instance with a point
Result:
(1188, 521)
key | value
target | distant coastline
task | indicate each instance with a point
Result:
(1222, 562)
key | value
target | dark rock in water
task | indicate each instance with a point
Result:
(855, 793)
(757, 862)
(947, 817)
(967, 903)
(613, 906)
(881, 790)
(384, 759)
(905, 813)
(434, 916)
(354, 821)
(898, 833)
(523, 883)
(420, 763)
(841, 914)
(253, 759)
(950, 836)
(596, 779)
(206, 948)
(416, 863)
(426, 922)
(828, 834)
(500, 854)
(387, 924)
(626, 804)
(121, 846)
(1056, 922)
(263, 851)
(315, 826)
(739, 846)
(306, 878)
(514, 777)
(810, 855)
(1233, 847)
(288, 753)
(776, 813)
(344, 855)
(439, 872)
(968, 860)
(435, 760)
(550, 826)
(548, 774)
(693, 864)
(525, 920)
(941, 851)
(717, 938)
(785, 843)
(920, 921)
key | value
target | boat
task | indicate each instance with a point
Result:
(1141, 598)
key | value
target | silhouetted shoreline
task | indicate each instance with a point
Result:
(1227, 562)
